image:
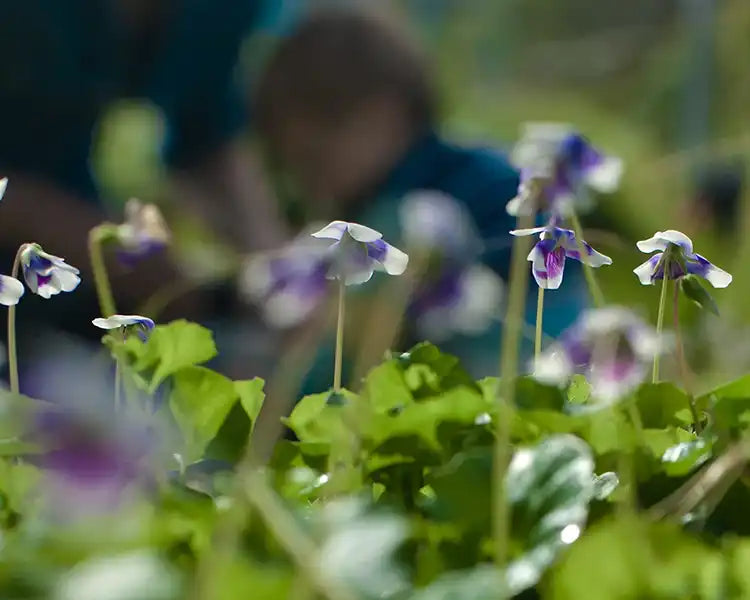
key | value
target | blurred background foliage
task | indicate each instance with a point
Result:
(661, 84)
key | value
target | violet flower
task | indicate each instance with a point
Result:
(11, 290)
(139, 325)
(611, 346)
(675, 256)
(46, 274)
(358, 252)
(548, 255)
(557, 166)
(143, 233)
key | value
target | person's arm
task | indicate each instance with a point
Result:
(228, 190)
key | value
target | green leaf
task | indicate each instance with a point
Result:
(428, 371)
(663, 404)
(170, 348)
(251, 396)
(315, 420)
(480, 583)
(549, 487)
(385, 388)
(532, 395)
(693, 289)
(682, 458)
(579, 390)
(200, 400)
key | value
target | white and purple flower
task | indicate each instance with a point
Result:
(47, 274)
(11, 290)
(676, 258)
(141, 326)
(288, 284)
(611, 346)
(143, 233)
(358, 252)
(557, 166)
(548, 255)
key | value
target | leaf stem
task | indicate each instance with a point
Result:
(518, 284)
(337, 366)
(660, 323)
(588, 271)
(539, 318)
(684, 368)
(99, 270)
(12, 351)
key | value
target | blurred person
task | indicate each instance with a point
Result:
(347, 109)
(63, 64)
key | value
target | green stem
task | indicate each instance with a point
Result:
(118, 385)
(518, 283)
(99, 270)
(12, 352)
(684, 368)
(337, 366)
(588, 270)
(660, 323)
(539, 318)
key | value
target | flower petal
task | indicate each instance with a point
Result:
(478, 302)
(553, 367)
(333, 231)
(591, 257)
(547, 264)
(115, 321)
(647, 270)
(532, 231)
(361, 233)
(605, 176)
(717, 277)
(11, 290)
(392, 260)
(662, 239)
(68, 280)
(3, 186)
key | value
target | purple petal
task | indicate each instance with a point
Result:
(699, 265)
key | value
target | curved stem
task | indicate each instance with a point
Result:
(684, 368)
(337, 366)
(539, 318)
(518, 284)
(12, 352)
(99, 269)
(588, 270)
(660, 324)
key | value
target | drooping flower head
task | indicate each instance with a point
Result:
(47, 274)
(141, 326)
(558, 165)
(675, 256)
(611, 346)
(287, 284)
(3, 186)
(143, 233)
(11, 290)
(358, 252)
(548, 255)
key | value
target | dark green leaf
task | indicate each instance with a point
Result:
(693, 289)
(532, 395)
(663, 404)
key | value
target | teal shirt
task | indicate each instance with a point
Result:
(483, 181)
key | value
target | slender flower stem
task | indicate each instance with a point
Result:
(588, 270)
(12, 352)
(339, 339)
(539, 319)
(684, 368)
(99, 269)
(118, 385)
(660, 323)
(518, 283)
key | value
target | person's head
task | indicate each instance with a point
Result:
(340, 100)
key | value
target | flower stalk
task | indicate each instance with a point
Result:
(539, 323)
(12, 351)
(338, 360)
(99, 269)
(684, 368)
(660, 323)
(596, 293)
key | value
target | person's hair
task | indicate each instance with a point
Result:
(334, 61)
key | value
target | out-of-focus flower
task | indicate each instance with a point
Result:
(675, 256)
(436, 222)
(611, 346)
(143, 233)
(288, 284)
(11, 290)
(47, 274)
(464, 301)
(141, 326)
(358, 251)
(3, 186)
(548, 255)
(557, 166)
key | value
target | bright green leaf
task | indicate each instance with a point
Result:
(385, 388)
(251, 396)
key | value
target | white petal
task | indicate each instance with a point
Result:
(68, 280)
(285, 310)
(11, 290)
(519, 205)
(116, 321)
(255, 278)
(662, 239)
(359, 276)
(605, 177)
(645, 272)
(481, 297)
(717, 277)
(3, 186)
(361, 233)
(553, 367)
(532, 231)
(395, 261)
(333, 231)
